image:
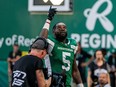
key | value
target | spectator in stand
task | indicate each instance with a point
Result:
(103, 80)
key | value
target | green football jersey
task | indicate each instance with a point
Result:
(62, 57)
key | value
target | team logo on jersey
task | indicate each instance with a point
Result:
(65, 49)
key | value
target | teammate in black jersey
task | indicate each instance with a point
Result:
(27, 71)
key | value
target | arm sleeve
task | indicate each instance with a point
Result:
(48, 65)
(51, 45)
(39, 64)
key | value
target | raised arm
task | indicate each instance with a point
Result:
(51, 13)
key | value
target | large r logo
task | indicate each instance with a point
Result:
(92, 16)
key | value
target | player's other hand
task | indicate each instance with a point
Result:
(48, 82)
(51, 13)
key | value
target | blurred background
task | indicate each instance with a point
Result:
(91, 22)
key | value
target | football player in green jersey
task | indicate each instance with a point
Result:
(61, 53)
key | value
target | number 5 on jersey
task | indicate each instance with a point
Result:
(66, 61)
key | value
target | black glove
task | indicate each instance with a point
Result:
(51, 13)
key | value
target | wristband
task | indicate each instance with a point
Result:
(47, 24)
(80, 85)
